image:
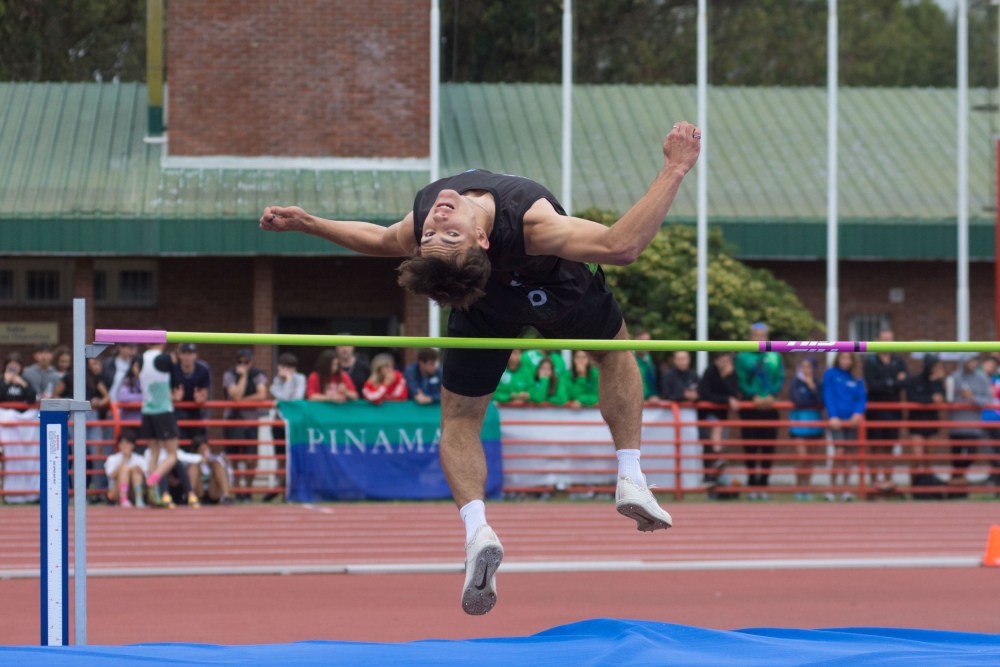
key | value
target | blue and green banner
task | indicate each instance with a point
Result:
(359, 451)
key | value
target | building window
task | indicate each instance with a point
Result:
(36, 283)
(867, 326)
(125, 283)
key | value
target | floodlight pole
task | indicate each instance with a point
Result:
(832, 167)
(962, 295)
(433, 310)
(701, 314)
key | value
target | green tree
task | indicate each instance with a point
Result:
(658, 291)
(72, 40)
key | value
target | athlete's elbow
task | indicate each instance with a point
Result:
(622, 255)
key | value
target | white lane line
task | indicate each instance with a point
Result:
(524, 567)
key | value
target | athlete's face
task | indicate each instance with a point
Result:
(451, 226)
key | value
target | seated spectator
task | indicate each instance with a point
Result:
(845, 399)
(549, 386)
(210, 474)
(718, 385)
(329, 382)
(130, 391)
(15, 388)
(514, 382)
(927, 388)
(581, 389)
(680, 383)
(177, 479)
(126, 472)
(806, 394)
(423, 377)
(385, 383)
(971, 386)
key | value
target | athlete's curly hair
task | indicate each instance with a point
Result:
(457, 280)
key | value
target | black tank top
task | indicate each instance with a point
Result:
(522, 288)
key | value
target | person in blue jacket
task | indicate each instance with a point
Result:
(845, 398)
(806, 394)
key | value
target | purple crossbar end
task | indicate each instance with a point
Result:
(813, 346)
(130, 336)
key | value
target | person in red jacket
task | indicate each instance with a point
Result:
(329, 381)
(385, 382)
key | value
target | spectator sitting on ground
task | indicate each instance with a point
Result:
(41, 376)
(515, 381)
(210, 474)
(329, 382)
(177, 479)
(549, 386)
(130, 391)
(845, 399)
(125, 471)
(423, 377)
(680, 383)
(15, 388)
(385, 382)
(581, 388)
(806, 394)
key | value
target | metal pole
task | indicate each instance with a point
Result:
(701, 315)
(433, 310)
(962, 297)
(80, 473)
(567, 107)
(832, 167)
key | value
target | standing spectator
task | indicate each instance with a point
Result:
(680, 382)
(130, 391)
(533, 358)
(927, 388)
(353, 364)
(62, 361)
(970, 385)
(582, 384)
(806, 394)
(124, 470)
(718, 385)
(647, 368)
(42, 376)
(385, 383)
(192, 384)
(329, 381)
(288, 385)
(117, 367)
(100, 401)
(243, 382)
(423, 377)
(761, 376)
(844, 398)
(159, 427)
(15, 388)
(548, 386)
(515, 381)
(885, 379)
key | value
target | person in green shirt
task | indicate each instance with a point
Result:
(647, 368)
(581, 391)
(760, 375)
(532, 359)
(548, 386)
(515, 382)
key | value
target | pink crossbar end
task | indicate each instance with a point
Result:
(130, 336)
(813, 346)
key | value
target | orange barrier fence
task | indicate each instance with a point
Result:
(548, 449)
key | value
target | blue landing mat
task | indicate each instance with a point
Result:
(593, 642)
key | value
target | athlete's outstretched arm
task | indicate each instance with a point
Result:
(546, 232)
(363, 237)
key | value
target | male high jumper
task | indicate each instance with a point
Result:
(503, 254)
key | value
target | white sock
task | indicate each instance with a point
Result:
(628, 464)
(473, 515)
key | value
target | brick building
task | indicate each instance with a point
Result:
(337, 121)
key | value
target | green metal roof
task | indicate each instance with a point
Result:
(77, 177)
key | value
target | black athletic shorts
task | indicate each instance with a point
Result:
(473, 373)
(158, 427)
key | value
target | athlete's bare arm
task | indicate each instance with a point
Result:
(547, 232)
(364, 237)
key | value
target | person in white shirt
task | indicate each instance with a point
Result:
(288, 385)
(125, 474)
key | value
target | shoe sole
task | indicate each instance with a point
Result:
(480, 594)
(644, 521)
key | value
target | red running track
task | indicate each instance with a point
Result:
(401, 607)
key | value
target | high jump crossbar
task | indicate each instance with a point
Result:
(151, 337)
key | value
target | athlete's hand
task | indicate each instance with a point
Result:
(682, 146)
(284, 219)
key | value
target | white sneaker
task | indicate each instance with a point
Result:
(482, 558)
(637, 502)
